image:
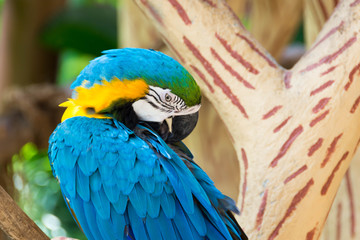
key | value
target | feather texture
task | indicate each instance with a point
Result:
(134, 189)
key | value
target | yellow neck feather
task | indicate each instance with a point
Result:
(101, 96)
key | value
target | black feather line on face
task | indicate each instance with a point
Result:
(158, 100)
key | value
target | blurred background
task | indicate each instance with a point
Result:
(45, 44)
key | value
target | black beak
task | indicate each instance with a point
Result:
(182, 126)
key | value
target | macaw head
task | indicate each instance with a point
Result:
(136, 84)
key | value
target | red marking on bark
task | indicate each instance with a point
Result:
(180, 10)
(272, 112)
(254, 48)
(217, 80)
(319, 118)
(323, 9)
(355, 105)
(315, 147)
(331, 57)
(295, 201)
(326, 186)
(231, 70)
(310, 235)
(330, 150)
(351, 203)
(210, 3)
(260, 214)
(281, 125)
(321, 104)
(245, 160)
(174, 49)
(322, 87)
(236, 55)
(285, 147)
(152, 11)
(338, 221)
(287, 79)
(295, 174)
(351, 76)
(353, 4)
(202, 76)
(328, 71)
(331, 32)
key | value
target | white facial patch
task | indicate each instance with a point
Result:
(160, 104)
(146, 112)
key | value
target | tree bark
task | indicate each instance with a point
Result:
(291, 164)
(342, 222)
(15, 223)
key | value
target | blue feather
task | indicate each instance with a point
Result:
(148, 184)
(68, 159)
(153, 228)
(82, 185)
(158, 189)
(101, 203)
(110, 159)
(197, 219)
(167, 203)
(119, 224)
(137, 224)
(105, 228)
(182, 191)
(112, 192)
(87, 163)
(106, 173)
(121, 204)
(166, 227)
(77, 206)
(95, 182)
(181, 222)
(137, 198)
(91, 221)
(213, 233)
(70, 186)
(153, 205)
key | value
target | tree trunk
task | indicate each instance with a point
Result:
(342, 222)
(15, 223)
(22, 59)
(291, 164)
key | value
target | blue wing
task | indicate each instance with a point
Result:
(119, 186)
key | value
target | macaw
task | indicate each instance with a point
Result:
(122, 172)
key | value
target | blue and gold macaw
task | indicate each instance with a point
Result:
(122, 173)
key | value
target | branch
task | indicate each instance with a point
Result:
(15, 223)
(294, 131)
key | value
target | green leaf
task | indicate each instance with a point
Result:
(88, 29)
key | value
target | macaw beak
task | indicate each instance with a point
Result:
(182, 126)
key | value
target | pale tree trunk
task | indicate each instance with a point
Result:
(343, 220)
(294, 132)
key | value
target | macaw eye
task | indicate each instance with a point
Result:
(167, 97)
